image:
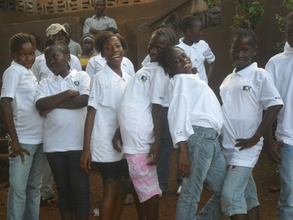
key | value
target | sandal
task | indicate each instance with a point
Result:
(129, 199)
(275, 187)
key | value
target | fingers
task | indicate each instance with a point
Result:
(20, 152)
(85, 166)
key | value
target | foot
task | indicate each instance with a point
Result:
(45, 201)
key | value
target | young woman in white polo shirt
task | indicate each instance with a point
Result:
(245, 93)
(195, 121)
(62, 101)
(25, 128)
(101, 124)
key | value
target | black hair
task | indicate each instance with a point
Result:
(100, 40)
(174, 20)
(36, 37)
(166, 32)
(60, 45)
(288, 18)
(17, 40)
(112, 29)
(244, 31)
(188, 21)
(165, 54)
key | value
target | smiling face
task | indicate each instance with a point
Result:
(156, 45)
(178, 62)
(113, 52)
(56, 61)
(25, 56)
(242, 51)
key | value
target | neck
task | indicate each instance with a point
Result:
(64, 74)
(187, 41)
(116, 69)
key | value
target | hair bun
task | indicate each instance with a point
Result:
(244, 24)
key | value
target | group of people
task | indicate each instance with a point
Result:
(126, 122)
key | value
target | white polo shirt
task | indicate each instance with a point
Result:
(63, 128)
(99, 24)
(20, 84)
(198, 54)
(105, 96)
(245, 94)
(97, 63)
(280, 68)
(192, 102)
(41, 71)
(147, 87)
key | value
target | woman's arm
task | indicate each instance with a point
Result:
(7, 116)
(74, 103)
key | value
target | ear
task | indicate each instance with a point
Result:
(12, 55)
(67, 57)
(188, 30)
(169, 70)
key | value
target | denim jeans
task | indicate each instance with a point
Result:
(206, 162)
(25, 182)
(285, 206)
(72, 184)
(239, 191)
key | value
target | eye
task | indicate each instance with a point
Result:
(159, 48)
(56, 56)
(22, 55)
(184, 55)
(176, 60)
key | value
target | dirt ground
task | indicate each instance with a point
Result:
(264, 173)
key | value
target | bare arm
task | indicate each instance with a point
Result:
(266, 122)
(157, 121)
(7, 116)
(184, 162)
(74, 103)
(85, 160)
(51, 102)
(211, 69)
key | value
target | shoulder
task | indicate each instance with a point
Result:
(277, 57)
(74, 58)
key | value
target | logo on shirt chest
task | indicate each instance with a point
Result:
(246, 88)
(76, 83)
(143, 78)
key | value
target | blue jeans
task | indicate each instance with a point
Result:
(239, 191)
(25, 182)
(285, 207)
(72, 184)
(206, 162)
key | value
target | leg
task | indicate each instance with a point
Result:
(18, 179)
(285, 206)
(163, 166)
(47, 184)
(59, 167)
(79, 186)
(252, 200)
(139, 206)
(34, 182)
(215, 178)
(178, 177)
(200, 150)
(152, 208)
(233, 200)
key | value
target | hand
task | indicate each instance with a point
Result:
(73, 93)
(246, 143)
(184, 164)
(44, 113)
(85, 161)
(272, 150)
(16, 149)
(153, 155)
(115, 139)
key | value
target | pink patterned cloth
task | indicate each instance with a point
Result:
(144, 177)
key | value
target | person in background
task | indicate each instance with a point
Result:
(87, 42)
(74, 47)
(56, 32)
(25, 128)
(37, 52)
(197, 49)
(100, 21)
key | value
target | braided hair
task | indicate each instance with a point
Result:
(17, 40)
(245, 31)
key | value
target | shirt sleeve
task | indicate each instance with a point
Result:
(209, 55)
(84, 87)
(90, 68)
(11, 80)
(179, 117)
(75, 63)
(95, 93)
(42, 90)
(86, 26)
(159, 86)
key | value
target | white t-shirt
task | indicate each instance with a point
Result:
(245, 94)
(63, 128)
(74, 48)
(97, 63)
(105, 96)
(20, 84)
(192, 102)
(280, 68)
(41, 71)
(147, 87)
(198, 54)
